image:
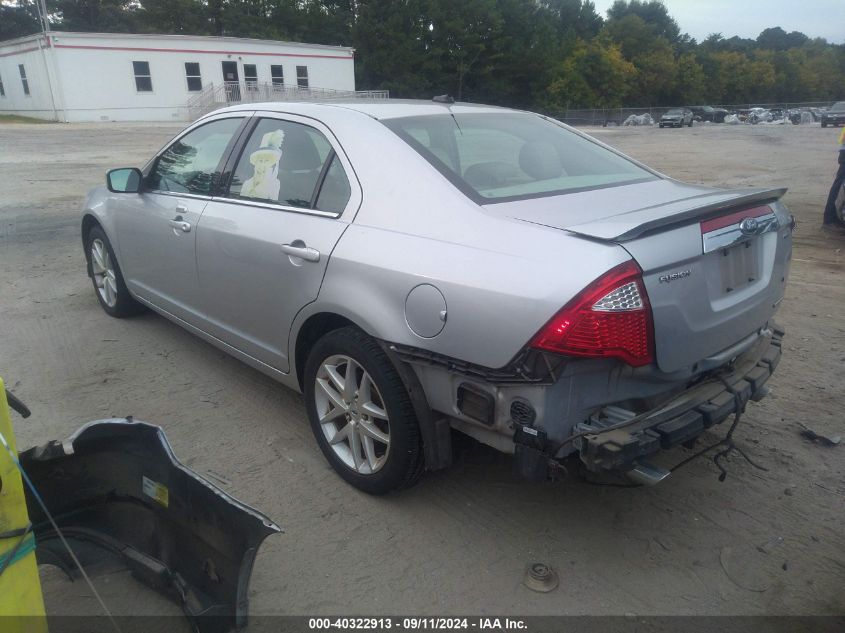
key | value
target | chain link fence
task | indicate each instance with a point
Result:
(618, 116)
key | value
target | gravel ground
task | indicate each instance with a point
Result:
(758, 543)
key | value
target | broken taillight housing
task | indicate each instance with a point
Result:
(609, 318)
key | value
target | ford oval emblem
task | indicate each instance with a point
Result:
(749, 226)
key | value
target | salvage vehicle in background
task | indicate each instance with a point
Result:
(420, 267)
(835, 115)
(708, 113)
(676, 117)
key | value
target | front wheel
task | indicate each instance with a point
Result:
(105, 273)
(361, 414)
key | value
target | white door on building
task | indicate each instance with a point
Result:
(232, 82)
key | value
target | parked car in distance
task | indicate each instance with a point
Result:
(759, 115)
(835, 114)
(676, 117)
(421, 268)
(709, 113)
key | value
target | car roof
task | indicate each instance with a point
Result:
(377, 109)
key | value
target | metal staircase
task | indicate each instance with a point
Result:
(215, 96)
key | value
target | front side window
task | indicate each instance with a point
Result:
(251, 77)
(302, 76)
(192, 74)
(143, 79)
(2, 89)
(494, 157)
(277, 73)
(24, 80)
(190, 164)
(286, 163)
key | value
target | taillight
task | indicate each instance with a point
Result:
(609, 318)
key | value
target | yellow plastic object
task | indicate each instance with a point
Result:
(20, 587)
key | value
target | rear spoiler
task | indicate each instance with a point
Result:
(629, 226)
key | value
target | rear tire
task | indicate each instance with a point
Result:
(109, 287)
(366, 428)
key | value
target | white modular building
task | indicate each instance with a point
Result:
(125, 77)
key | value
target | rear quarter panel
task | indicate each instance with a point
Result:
(502, 278)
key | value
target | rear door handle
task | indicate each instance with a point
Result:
(301, 251)
(181, 208)
(179, 223)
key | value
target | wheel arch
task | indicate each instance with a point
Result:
(313, 329)
(434, 429)
(89, 221)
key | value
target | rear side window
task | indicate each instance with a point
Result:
(290, 164)
(191, 163)
(498, 157)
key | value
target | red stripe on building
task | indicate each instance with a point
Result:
(23, 50)
(194, 50)
(733, 218)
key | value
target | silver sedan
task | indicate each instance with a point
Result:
(420, 268)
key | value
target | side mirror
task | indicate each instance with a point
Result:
(124, 180)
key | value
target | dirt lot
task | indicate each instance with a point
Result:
(758, 543)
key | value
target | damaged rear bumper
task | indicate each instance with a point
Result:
(122, 499)
(684, 418)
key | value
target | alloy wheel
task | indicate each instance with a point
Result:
(352, 414)
(103, 272)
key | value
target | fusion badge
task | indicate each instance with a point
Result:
(665, 279)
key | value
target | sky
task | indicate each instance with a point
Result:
(746, 18)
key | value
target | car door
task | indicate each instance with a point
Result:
(157, 229)
(263, 248)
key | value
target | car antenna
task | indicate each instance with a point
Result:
(448, 100)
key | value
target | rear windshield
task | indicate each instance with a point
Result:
(499, 157)
(839, 106)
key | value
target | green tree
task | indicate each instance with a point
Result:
(653, 12)
(18, 19)
(388, 38)
(109, 16)
(691, 81)
(460, 42)
(777, 39)
(190, 17)
(595, 74)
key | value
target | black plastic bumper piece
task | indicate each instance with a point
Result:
(668, 426)
(122, 499)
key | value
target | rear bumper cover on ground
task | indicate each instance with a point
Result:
(122, 499)
(684, 418)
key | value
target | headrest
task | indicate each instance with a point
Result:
(298, 151)
(540, 160)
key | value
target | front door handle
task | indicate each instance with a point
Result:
(181, 208)
(298, 249)
(179, 223)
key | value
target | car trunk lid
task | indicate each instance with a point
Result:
(714, 261)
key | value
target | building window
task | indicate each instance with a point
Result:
(277, 72)
(251, 77)
(192, 74)
(302, 76)
(24, 80)
(2, 89)
(143, 80)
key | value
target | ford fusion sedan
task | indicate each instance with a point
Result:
(419, 268)
(676, 117)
